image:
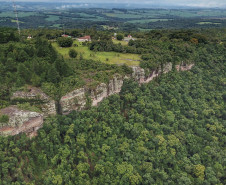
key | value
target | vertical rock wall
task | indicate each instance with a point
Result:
(76, 100)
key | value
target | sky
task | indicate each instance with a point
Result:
(190, 3)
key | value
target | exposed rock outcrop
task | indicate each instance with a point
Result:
(184, 67)
(20, 121)
(139, 73)
(76, 100)
(39, 98)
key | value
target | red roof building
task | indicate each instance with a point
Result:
(64, 35)
(85, 38)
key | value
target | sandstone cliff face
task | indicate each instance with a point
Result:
(20, 121)
(32, 93)
(76, 100)
(139, 73)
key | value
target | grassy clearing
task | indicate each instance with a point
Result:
(20, 14)
(109, 27)
(203, 23)
(147, 20)
(123, 16)
(57, 25)
(97, 18)
(52, 18)
(106, 57)
(124, 43)
(16, 21)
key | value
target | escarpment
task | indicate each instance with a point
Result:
(77, 99)
(23, 121)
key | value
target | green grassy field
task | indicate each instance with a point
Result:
(106, 57)
(56, 25)
(155, 14)
(16, 21)
(52, 18)
(20, 14)
(124, 43)
(202, 23)
(123, 16)
(143, 21)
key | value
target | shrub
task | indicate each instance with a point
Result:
(4, 118)
(65, 42)
(120, 37)
(73, 53)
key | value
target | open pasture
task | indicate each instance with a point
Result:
(106, 57)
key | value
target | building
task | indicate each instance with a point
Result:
(64, 35)
(128, 38)
(85, 38)
(29, 37)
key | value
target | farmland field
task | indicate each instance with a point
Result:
(147, 20)
(111, 19)
(52, 18)
(202, 23)
(20, 14)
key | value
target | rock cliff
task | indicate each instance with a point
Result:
(139, 73)
(76, 100)
(38, 97)
(20, 121)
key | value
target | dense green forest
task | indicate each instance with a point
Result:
(170, 131)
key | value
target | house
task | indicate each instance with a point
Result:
(29, 37)
(85, 38)
(64, 35)
(128, 38)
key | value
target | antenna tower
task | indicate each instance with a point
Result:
(63, 7)
(16, 14)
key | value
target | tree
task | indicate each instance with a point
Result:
(53, 76)
(73, 53)
(120, 37)
(65, 41)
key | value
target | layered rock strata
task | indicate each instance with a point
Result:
(39, 98)
(20, 121)
(76, 100)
